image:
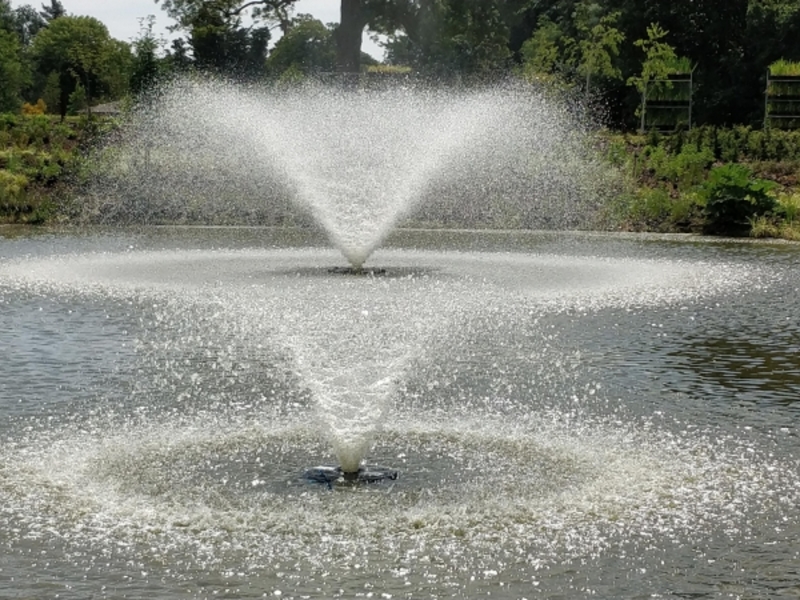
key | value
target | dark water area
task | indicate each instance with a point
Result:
(571, 415)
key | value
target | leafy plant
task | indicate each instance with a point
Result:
(784, 68)
(732, 197)
(12, 188)
(763, 227)
(684, 169)
(789, 206)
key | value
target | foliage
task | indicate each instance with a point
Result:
(27, 23)
(659, 58)
(146, 68)
(732, 197)
(37, 157)
(12, 189)
(217, 37)
(789, 206)
(542, 53)
(39, 108)
(389, 69)
(784, 68)
(308, 47)
(188, 13)
(685, 169)
(672, 185)
(660, 62)
(53, 11)
(81, 51)
(13, 72)
(598, 45)
(446, 38)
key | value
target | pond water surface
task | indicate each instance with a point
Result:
(572, 415)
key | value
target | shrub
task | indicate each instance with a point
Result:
(39, 108)
(685, 169)
(789, 206)
(649, 208)
(732, 197)
(763, 227)
(12, 189)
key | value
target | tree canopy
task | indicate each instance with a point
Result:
(604, 50)
(83, 55)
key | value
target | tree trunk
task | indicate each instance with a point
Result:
(348, 38)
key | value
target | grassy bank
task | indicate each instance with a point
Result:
(736, 181)
(39, 159)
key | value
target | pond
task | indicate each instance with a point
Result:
(570, 415)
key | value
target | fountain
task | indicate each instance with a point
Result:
(568, 413)
(357, 161)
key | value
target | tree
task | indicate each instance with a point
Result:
(658, 64)
(13, 72)
(217, 38)
(194, 17)
(348, 36)
(542, 53)
(54, 11)
(145, 66)
(115, 70)
(187, 12)
(308, 47)
(598, 45)
(177, 58)
(80, 50)
(6, 16)
(27, 23)
(468, 37)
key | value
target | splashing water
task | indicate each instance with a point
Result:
(358, 161)
(554, 434)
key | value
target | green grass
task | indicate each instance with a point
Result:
(784, 68)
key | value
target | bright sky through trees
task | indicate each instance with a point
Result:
(122, 16)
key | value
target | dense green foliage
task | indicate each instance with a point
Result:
(732, 197)
(36, 154)
(719, 181)
(609, 51)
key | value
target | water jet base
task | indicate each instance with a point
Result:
(362, 271)
(334, 475)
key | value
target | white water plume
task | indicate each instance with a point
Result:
(353, 342)
(358, 161)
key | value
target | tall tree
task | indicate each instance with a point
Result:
(145, 66)
(80, 50)
(657, 65)
(308, 47)
(27, 22)
(53, 11)
(217, 37)
(353, 19)
(13, 72)
(598, 45)
(187, 12)
(448, 36)
(6, 15)
(542, 53)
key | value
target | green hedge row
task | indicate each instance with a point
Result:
(734, 144)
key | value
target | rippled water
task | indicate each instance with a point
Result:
(570, 415)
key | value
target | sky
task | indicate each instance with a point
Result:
(122, 16)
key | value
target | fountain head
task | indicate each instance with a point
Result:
(365, 474)
(352, 270)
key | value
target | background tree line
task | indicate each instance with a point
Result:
(604, 49)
